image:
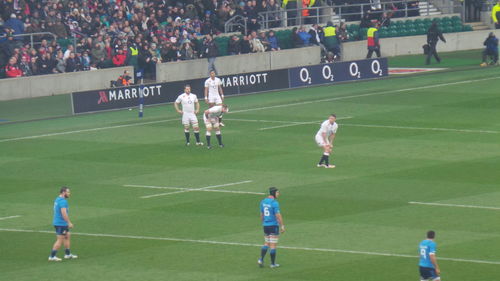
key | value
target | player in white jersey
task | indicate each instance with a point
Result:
(190, 107)
(324, 138)
(213, 92)
(211, 117)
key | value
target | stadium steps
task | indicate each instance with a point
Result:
(424, 5)
(478, 25)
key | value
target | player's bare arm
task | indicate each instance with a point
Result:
(176, 105)
(332, 137)
(279, 218)
(221, 93)
(197, 108)
(65, 216)
(206, 95)
(434, 262)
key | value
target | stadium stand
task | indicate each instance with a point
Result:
(149, 32)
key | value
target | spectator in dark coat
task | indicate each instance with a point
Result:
(234, 45)
(273, 41)
(433, 36)
(71, 63)
(212, 52)
(491, 44)
(245, 45)
(15, 24)
(46, 65)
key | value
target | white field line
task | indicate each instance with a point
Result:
(299, 123)
(366, 253)
(195, 189)
(423, 128)
(368, 94)
(87, 130)
(257, 108)
(8, 218)
(454, 205)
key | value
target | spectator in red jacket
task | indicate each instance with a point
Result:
(12, 70)
(119, 58)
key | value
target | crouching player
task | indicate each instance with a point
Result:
(190, 107)
(324, 138)
(211, 117)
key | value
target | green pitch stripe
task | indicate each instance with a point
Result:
(249, 245)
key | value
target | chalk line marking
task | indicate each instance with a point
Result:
(367, 95)
(300, 123)
(195, 189)
(255, 109)
(423, 128)
(87, 130)
(10, 217)
(454, 205)
(212, 242)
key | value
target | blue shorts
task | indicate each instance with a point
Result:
(428, 273)
(61, 230)
(272, 230)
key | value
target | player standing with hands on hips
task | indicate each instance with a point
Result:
(429, 268)
(213, 92)
(324, 138)
(273, 224)
(62, 224)
(190, 107)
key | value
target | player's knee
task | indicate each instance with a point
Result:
(186, 129)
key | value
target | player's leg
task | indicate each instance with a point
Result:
(320, 143)
(67, 246)
(263, 251)
(218, 134)
(327, 150)
(57, 244)
(196, 129)
(208, 134)
(185, 123)
(273, 242)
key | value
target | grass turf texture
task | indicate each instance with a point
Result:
(362, 205)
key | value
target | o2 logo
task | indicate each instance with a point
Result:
(354, 70)
(327, 73)
(305, 76)
(376, 69)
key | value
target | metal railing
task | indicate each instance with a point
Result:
(349, 12)
(236, 23)
(33, 36)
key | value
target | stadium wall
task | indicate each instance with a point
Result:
(412, 45)
(194, 69)
(57, 84)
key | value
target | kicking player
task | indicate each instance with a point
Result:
(190, 107)
(62, 224)
(273, 225)
(324, 138)
(211, 117)
(429, 269)
(213, 92)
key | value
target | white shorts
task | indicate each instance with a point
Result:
(211, 122)
(216, 99)
(319, 140)
(189, 119)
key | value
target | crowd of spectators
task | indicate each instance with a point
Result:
(111, 32)
(140, 33)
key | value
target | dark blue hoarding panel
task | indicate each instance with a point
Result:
(338, 72)
(124, 97)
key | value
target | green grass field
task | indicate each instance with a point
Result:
(430, 138)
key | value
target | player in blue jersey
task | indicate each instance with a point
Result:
(62, 224)
(429, 269)
(273, 225)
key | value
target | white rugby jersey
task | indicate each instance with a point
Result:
(188, 102)
(327, 128)
(214, 111)
(213, 86)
